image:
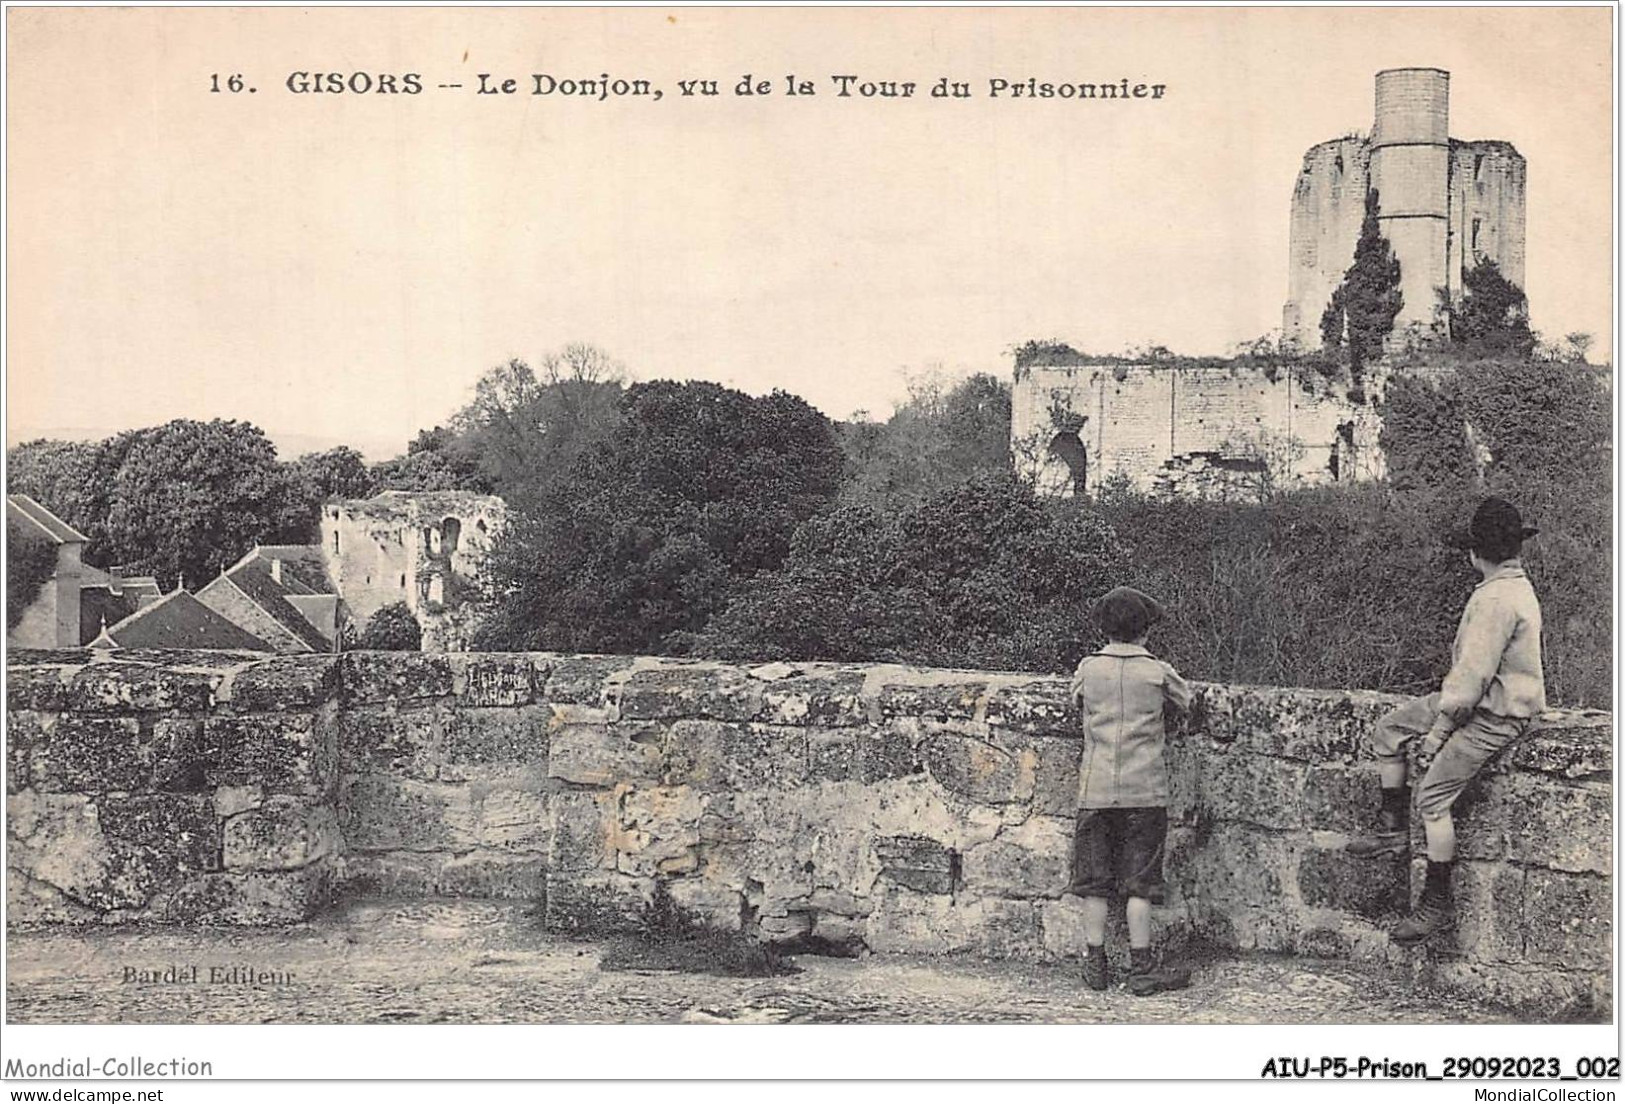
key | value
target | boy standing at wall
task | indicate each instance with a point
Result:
(1121, 693)
(1496, 685)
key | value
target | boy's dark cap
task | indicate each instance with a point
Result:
(1127, 612)
(1496, 523)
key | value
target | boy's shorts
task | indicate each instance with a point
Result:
(1118, 853)
(1458, 762)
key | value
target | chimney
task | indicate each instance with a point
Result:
(276, 570)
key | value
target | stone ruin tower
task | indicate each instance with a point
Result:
(1445, 205)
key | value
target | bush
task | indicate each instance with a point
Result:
(392, 629)
(30, 563)
(984, 574)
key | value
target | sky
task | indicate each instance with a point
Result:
(342, 267)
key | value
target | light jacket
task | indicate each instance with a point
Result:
(1495, 663)
(1120, 693)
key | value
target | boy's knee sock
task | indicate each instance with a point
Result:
(1437, 884)
(1396, 807)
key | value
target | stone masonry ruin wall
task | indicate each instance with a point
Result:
(1446, 205)
(878, 807)
(1159, 426)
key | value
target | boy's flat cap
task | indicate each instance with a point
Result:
(1125, 606)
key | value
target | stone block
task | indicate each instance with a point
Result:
(284, 682)
(917, 863)
(1341, 799)
(583, 823)
(1240, 867)
(497, 678)
(1377, 888)
(57, 840)
(518, 735)
(133, 688)
(1316, 726)
(598, 903)
(954, 697)
(388, 738)
(1566, 827)
(25, 730)
(1567, 921)
(379, 812)
(906, 922)
(585, 680)
(887, 753)
(1039, 708)
(981, 771)
(255, 898)
(657, 830)
(1490, 901)
(514, 818)
(1055, 778)
(712, 754)
(669, 692)
(279, 751)
(604, 754)
(41, 688)
(715, 905)
(395, 676)
(494, 875)
(91, 755)
(174, 746)
(1033, 859)
(154, 841)
(284, 833)
(1568, 744)
(1251, 789)
(231, 800)
(834, 756)
(831, 699)
(395, 874)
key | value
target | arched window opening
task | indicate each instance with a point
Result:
(1069, 447)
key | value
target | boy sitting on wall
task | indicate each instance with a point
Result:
(1496, 685)
(1121, 692)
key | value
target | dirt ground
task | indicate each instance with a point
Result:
(491, 962)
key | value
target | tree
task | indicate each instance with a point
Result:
(527, 428)
(437, 459)
(30, 563)
(938, 438)
(635, 544)
(337, 473)
(314, 478)
(1492, 317)
(392, 629)
(60, 475)
(187, 498)
(1365, 304)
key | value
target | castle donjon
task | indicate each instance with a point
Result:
(1205, 426)
(1446, 205)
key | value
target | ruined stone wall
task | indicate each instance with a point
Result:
(424, 548)
(877, 807)
(1164, 426)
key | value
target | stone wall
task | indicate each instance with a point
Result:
(1182, 428)
(851, 807)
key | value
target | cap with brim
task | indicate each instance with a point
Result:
(1496, 521)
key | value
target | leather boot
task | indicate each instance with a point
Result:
(1434, 913)
(1393, 835)
(1147, 977)
(1096, 974)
